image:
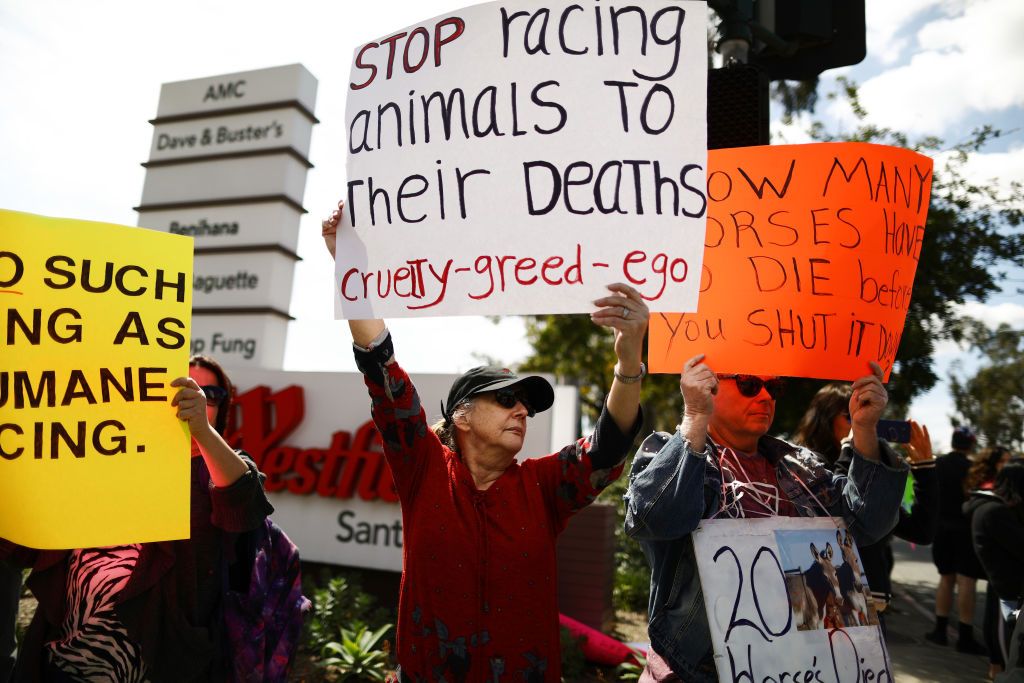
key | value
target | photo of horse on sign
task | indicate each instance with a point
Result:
(825, 580)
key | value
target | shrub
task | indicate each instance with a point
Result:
(573, 661)
(357, 656)
(631, 670)
(342, 605)
(632, 573)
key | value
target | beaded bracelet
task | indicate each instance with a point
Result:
(627, 379)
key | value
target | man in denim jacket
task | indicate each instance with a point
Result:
(677, 481)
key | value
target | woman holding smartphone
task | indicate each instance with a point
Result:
(823, 428)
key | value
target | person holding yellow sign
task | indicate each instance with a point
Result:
(151, 611)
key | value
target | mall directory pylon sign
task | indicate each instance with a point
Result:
(227, 166)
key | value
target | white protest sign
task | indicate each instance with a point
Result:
(513, 158)
(786, 599)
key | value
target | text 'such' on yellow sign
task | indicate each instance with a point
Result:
(94, 320)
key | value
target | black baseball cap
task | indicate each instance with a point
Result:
(964, 438)
(491, 378)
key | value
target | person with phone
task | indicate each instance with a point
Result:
(917, 525)
(824, 427)
(894, 431)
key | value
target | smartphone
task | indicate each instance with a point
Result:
(894, 431)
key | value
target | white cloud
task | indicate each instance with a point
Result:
(886, 20)
(970, 61)
(947, 351)
(792, 134)
(1002, 167)
(80, 81)
(935, 410)
(996, 169)
(422, 345)
(994, 315)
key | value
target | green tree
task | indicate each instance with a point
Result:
(971, 240)
(992, 400)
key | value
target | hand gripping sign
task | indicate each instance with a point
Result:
(517, 157)
(787, 599)
(810, 257)
(95, 323)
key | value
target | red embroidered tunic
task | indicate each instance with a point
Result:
(478, 598)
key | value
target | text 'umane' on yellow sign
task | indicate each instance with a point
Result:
(94, 320)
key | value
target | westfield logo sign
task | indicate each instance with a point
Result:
(352, 465)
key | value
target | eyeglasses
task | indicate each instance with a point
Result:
(215, 395)
(751, 385)
(507, 398)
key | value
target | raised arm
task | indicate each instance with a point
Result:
(666, 498)
(396, 410)
(625, 312)
(225, 465)
(867, 403)
(698, 384)
(238, 500)
(922, 522)
(364, 332)
(872, 492)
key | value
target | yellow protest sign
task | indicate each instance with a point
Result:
(94, 323)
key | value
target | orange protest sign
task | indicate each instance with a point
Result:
(809, 261)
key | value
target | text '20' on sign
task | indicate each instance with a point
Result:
(787, 600)
(810, 261)
(518, 157)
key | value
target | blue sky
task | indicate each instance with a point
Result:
(79, 82)
(795, 547)
(942, 68)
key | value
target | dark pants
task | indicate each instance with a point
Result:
(1015, 662)
(10, 592)
(993, 621)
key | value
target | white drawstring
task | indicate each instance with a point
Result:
(824, 509)
(761, 493)
(765, 495)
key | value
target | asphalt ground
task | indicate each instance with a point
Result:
(911, 615)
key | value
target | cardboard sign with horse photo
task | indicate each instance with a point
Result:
(786, 598)
(825, 580)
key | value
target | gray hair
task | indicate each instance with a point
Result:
(445, 429)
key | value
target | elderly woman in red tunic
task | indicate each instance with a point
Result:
(478, 596)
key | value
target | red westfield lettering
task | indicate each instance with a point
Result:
(350, 466)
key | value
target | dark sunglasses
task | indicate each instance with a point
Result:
(751, 385)
(507, 398)
(215, 395)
